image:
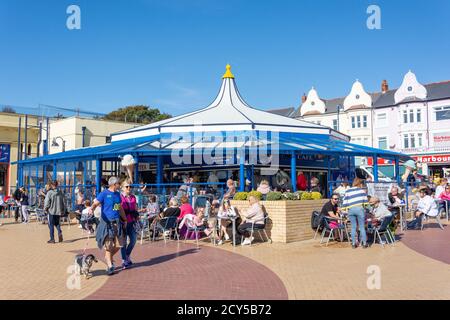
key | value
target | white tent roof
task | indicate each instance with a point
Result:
(228, 112)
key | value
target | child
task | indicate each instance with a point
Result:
(87, 219)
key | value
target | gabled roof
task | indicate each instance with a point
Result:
(436, 91)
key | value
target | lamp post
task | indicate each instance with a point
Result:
(55, 144)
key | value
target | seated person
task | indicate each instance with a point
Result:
(87, 219)
(331, 210)
(426, 206)
(444, 196)
(226, 210)
(152, 206)
(254, 215)
(231, 191)
(395, 199)
(264, 188)
(172, 211)
(380, 213)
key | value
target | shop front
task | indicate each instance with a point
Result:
(4, 168)
(434, 165)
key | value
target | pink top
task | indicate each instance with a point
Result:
(185, 209)
(444, 196)
(129, 206)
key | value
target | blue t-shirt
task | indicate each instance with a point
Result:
(111, 204)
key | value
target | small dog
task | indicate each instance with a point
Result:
(84, 263)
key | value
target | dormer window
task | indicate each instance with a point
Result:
(409, 88)
(313, 103)
(357, 96)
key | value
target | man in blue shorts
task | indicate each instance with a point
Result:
(110, 232)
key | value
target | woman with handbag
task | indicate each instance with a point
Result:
(130, 208)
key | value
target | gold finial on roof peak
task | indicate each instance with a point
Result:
(228, 73)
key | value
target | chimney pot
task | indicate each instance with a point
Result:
(384, 86)
(303, 98)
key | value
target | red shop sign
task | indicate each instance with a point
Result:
(380, 161)
(435, 158)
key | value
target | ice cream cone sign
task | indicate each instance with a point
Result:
(128, 163)
(409, 166)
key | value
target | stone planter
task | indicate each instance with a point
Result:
(289, 220)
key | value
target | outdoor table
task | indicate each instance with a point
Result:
(233, 220)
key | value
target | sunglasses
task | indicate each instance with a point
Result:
(334, 198)
(128, 187)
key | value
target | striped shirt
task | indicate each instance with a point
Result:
(354, 197)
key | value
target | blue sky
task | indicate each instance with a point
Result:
(171, 54)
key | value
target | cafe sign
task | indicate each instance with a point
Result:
(435, 158)
(4, 153)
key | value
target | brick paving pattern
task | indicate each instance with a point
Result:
(416, 268)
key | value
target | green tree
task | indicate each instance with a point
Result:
(8, 109)
(140, 114)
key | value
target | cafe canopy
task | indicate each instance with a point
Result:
(228, 133)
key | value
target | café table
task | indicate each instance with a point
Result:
(233, 220)
(402, 211)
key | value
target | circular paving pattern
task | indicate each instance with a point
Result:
(178, 271)
(431, 241)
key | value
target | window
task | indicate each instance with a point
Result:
(364, 121)
(442, 113)
(411, 116)
(358, 121)
(419, 140)
(413, 140)
(405, 141)
(335, 126)
(382, 142)
(108, 139)
(353, 123)
(366, 141)
(382, 120)
(405, 116)
(419, 115)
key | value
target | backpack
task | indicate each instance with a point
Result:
(316, 220)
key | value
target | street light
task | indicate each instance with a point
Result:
(56, 144)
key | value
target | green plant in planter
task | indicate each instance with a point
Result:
(290, 196)
(256, 194)
(298, 194)
(240, 196)
(274, 196)
(306, 196)
(316, 195)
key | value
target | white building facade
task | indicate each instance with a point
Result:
(413, 119)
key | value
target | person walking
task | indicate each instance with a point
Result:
(113, 222)
(24, 202)
(354, 200)
(129, 206)
(54, 206)
(17, 195)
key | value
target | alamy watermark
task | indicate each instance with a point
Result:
(374, 279)
(374, 19)
(73, 21)
(224, 148)
(73, 281)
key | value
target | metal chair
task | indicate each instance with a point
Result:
(425, 218)
(192, 228)
(260, 228)
(164, 225)
(386, 232)
(328, 228)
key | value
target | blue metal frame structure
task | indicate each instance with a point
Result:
(157, 149)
